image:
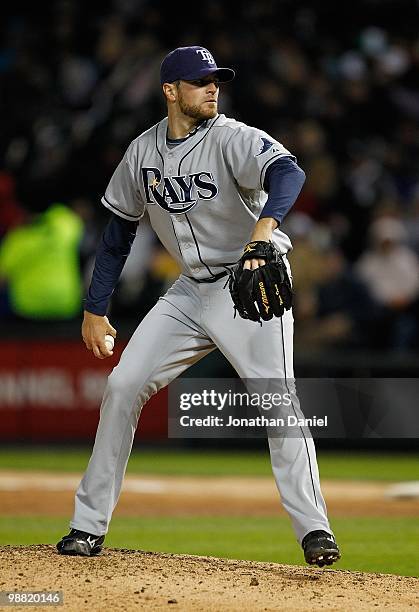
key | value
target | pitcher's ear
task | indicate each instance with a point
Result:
(170, 91)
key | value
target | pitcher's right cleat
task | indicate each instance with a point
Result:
(80, 543)
(320, 548)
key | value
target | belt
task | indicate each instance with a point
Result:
(211, 279)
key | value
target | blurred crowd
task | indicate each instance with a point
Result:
(336, 83)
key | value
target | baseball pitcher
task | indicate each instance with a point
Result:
(216, 191)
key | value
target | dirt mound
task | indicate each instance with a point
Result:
(131, 580)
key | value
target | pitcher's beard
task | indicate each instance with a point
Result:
(199, 113)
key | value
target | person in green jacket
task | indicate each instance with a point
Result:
(39, 263)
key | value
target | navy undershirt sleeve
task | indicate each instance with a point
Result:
(283, 182)
(111, 255)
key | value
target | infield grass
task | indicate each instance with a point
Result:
(342, 465)
(387, 545)
(367, 544)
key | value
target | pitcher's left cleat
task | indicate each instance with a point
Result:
(320, 548)
(80, 543)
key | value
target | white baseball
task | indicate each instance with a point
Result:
(109, 341)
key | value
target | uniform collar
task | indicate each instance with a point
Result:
(196, 129)
(188, 143)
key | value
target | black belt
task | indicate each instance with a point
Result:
(211, 279)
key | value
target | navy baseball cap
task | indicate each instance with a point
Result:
(191, 63)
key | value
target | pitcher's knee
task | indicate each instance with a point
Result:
(148, 389)
(128, 392)
(121, 388)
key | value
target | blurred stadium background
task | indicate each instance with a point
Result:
(338, 84)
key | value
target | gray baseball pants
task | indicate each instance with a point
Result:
(186, 324)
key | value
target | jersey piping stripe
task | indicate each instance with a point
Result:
(157, 145)
(162, 161)
(197, 247)
(135, 217)
(187, 218)
(177, 239)
(295, 412)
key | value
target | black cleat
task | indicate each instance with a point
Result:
(80, 543)
(320, 548)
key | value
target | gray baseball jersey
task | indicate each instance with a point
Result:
(204, 196)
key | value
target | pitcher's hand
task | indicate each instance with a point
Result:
(93, 331)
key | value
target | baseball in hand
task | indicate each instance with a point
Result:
(109, 341)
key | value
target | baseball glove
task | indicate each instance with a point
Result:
(262, 293)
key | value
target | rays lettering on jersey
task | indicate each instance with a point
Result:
(177, 194)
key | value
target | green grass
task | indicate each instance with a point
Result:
(368, 544)
(342, 465)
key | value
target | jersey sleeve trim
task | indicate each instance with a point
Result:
(268, 163)
(118, 211)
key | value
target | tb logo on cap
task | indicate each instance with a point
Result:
(206, 56)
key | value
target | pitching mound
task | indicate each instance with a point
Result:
(132, 580)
